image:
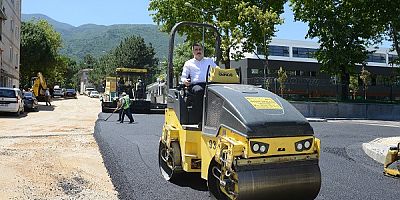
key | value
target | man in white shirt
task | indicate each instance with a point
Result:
(194, 75)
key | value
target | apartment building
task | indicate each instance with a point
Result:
(10, 27)
(305, 77)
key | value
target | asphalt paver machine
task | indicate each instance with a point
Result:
(130, 81)
(250, 144)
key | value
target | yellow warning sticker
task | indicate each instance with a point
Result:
(263, 103)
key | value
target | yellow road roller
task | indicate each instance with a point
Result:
(250, 144)
(391, 166)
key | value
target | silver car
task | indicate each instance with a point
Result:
(58, 92)
(94, 94)
(11, 100)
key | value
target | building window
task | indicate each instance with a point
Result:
(12, 26)
(392, 58)
(16, 61)
(303, 52)
(16, 32)
(291, 73)
(278, 51)
(376, 57)
(11, 54)
(254, 71)
(274, 50)
(383, 80)
(299, 73)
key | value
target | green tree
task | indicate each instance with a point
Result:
(257, 22)
(182, 53)
(39, 50)
(243, 24)
(105, 66)
(343, 30)
(59, 71)
(354, 86)
(133, 52)
(89, 61)
(282, 77)
(366, 78)
(71, 78)
(384, 15)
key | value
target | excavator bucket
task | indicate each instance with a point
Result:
(294, 180)
(392, 162)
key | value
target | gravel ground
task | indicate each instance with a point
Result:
(52, 154)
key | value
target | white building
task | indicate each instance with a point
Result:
(84, 82)
(10, 16)
(304, 74)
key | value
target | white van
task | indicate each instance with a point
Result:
(88, 90)
(11, 100)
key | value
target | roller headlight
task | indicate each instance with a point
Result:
(307, 144)
(299, 146)
(256, 147)
(259, 147)
(263, 148)
(303, 145)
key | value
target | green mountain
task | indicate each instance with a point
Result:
(98, 39)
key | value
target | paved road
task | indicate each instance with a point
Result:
(347, 173)
(130, 155)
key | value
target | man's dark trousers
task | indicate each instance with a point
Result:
(128, 113)
(197, 91)
(120, 113)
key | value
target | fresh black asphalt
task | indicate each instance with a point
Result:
(130, 153)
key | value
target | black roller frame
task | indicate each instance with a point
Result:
(172, 42)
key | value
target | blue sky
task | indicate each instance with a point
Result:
(102, 12)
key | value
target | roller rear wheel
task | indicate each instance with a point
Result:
(170, 161)
(214, 185)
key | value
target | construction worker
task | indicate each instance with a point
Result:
(119, 108)
(126, 108)
(47, 97)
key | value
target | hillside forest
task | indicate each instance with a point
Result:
(59, 52)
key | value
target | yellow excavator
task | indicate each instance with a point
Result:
(391, 166)
(39, 87)
(250, 143)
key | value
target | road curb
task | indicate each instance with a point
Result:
(377, 149)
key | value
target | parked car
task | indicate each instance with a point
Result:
(11, 100)
(70, 93)
(94, 94)
(58, 92)
(30, 101)
(88, 90)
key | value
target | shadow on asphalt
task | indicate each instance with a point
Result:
(192, 180)
(62, 98)
(12, 115)
(151, 112)
(46, 108)
(155, 111)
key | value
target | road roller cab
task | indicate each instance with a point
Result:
(251, 143)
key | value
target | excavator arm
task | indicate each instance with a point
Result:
(39, 86)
